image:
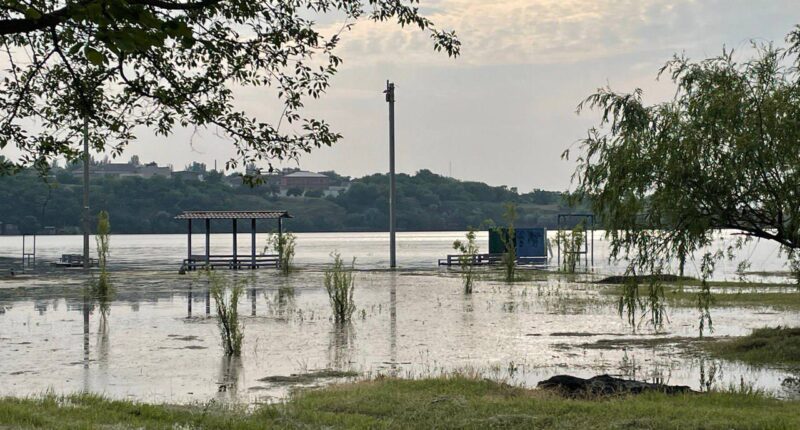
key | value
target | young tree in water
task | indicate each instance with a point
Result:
(164, 64)
(722, 154)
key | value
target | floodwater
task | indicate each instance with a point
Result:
(159, 341)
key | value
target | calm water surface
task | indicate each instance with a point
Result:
(159, 341)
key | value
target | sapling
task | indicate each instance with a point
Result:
(226, 299)
(102, 289)
(469, 252)
(340, 283)
(508, 237)
(572, 242)
(283, 245)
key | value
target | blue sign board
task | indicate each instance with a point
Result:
(530, 242)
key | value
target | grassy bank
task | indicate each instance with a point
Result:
(777, 346)
(456, 402)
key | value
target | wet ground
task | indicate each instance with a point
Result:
(159, 341)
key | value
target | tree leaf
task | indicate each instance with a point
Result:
(94, 56)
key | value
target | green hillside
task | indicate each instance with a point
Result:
(426, 202)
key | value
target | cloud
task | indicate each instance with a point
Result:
(561, 31)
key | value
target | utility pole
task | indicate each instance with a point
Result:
(392, 188)
(86, 264)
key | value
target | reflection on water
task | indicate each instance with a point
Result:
(228, 380)
(55, 333)
(393, 326)
(340, 349)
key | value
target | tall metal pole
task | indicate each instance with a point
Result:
(86, 227)
(392, 186)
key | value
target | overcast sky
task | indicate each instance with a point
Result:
(504, 110)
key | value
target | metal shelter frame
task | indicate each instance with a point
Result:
(231, 261)
(587, 252)
(28, 257)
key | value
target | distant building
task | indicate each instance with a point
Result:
(114, 169)
(305, 180)
(188, 175)
(152, 169)
(127, 170)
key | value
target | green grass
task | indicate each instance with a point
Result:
(777, 346)
(454, 402)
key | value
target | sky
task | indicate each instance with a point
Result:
(504, 111)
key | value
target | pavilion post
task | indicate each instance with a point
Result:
(189, 304)
(235, 262)
(208, 243)
(253, 242)
(189, 265)
(280, 241)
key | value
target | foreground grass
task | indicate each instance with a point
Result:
(778, 346)
(455, 402)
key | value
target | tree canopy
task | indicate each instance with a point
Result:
(162, 64)
(723, 153)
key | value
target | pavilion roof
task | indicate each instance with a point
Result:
(233, 215)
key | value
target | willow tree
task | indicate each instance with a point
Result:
(162, 64)
(723, 153)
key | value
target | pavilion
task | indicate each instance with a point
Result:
(234, 260)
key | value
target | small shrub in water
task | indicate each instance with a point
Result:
(102, 290)
(508, 236)
(340, 283)
(469, 251)
(283, 245)
(572, 243)
(231, 329)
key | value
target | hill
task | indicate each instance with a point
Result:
(426, 202)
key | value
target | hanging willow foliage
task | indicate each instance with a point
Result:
(722, 154)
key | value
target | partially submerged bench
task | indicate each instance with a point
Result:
(488, 259)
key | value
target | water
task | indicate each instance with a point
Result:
(160, 342)
(419, 250)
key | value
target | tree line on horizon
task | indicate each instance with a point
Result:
(426, 202)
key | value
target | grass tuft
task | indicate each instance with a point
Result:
(777, 346)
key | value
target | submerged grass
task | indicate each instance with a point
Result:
(776, 346)
(731, 294)
(448, 402)
(305, 378)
